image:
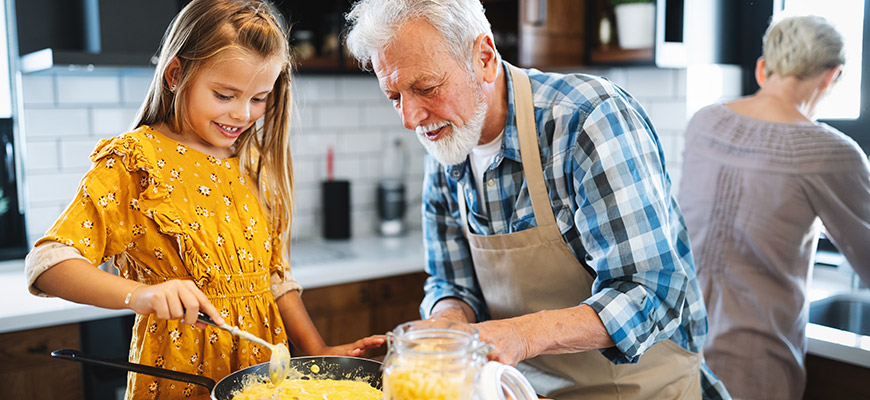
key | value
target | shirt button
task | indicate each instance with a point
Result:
(490, 183)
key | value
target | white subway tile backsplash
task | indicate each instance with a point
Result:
(66, 114)
(378, 113)
(351, 168)
(303, 119)
(363, 194)
(304, 227)
(360, 89)
(39, 219)
(307, 197)
(339, 116)
(61, 122)
(312, 143)
(359, 142)
(42, 155)
(308, 170)
(38, 89)
(364, 222)
(53, 187)
(314, 89)
(134, 87)
(650, 82)
(681, 83)
(75, 153)
(88, 89)
(110, 122)
(667, 114)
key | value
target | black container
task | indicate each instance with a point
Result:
(391, 207)
(336, 209)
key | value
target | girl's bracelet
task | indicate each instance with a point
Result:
(130, 295)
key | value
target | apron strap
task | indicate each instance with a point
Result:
(529, 151)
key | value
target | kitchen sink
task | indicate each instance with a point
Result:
(848, 312)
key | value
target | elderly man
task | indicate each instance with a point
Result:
(548, 214)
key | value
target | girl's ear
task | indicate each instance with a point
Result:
(171, 73)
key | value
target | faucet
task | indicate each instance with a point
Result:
(855, 282)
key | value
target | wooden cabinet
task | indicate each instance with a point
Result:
(609, 53)
(552, 33)
(558, 34)
(316, 35)
(827, 379)
(351, 311)
(27, 370)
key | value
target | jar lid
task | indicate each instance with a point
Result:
(496, 380)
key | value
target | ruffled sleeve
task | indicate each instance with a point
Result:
(282, 280)
(97, 221)
(124, 168)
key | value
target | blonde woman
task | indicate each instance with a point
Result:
(194, 207)
(760, 178)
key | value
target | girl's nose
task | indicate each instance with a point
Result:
(241, 112)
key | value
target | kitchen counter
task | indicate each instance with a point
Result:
(316, 263)
(319, 263)
(833, 343)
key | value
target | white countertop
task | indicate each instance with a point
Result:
(315, 263)
(833, 343)
(320, 263)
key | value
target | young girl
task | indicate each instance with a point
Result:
(194, 207)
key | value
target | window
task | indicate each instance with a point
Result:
(846, 107)
(844, 101)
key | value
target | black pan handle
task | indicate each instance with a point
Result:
(75, 355)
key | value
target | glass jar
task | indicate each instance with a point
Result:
(435, 360)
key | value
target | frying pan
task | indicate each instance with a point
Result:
(331, 367)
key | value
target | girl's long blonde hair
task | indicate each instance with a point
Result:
(201, 33)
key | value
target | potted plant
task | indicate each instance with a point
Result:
(635, 23)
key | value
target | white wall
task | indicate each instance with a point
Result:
(67, 113)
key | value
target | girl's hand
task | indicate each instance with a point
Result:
(355, 349)
(174, 299)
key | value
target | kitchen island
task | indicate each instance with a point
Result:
(316, 264)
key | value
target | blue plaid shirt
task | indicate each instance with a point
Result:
(610, 193)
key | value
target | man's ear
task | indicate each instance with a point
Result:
(172, 72)
(486, 57)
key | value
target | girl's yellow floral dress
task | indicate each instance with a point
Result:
(166, 211)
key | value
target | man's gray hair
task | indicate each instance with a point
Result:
(802, 46)
(374, 23)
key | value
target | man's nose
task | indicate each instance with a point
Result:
(413, 113)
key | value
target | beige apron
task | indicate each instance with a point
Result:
(534, 269)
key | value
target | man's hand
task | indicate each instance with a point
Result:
(510, 338)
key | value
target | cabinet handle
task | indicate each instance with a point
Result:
(364, 296)
(536, 12)
(41, 348)
(386, 292)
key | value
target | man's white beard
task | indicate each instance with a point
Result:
(454, 148)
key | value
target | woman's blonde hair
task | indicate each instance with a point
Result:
(802, 46)
(201, 33)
